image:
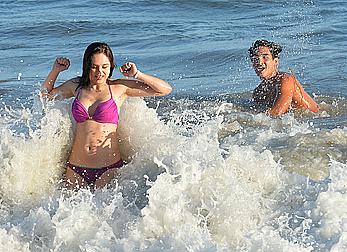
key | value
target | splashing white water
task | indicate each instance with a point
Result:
(177, 192)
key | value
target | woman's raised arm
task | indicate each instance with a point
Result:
(66, 89)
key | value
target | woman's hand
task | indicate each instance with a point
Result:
(61, 64)
(129, 69)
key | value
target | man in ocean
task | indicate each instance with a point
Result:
(278, 91)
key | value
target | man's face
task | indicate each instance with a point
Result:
(264, 64)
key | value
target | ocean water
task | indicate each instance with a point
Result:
(205, 172)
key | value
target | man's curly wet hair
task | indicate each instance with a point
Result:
(275, 49)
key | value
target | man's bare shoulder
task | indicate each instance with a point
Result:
(284, 76)
(288, 81)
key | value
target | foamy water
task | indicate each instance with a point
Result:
(218, 184)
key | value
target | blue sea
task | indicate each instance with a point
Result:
(205, 172)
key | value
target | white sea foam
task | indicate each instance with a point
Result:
(181, 192)
(32, 163)
(331, 211)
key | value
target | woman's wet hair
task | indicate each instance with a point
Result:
(95, 48)
(275, 49)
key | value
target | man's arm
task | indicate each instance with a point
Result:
(301, 99)
(285, 96)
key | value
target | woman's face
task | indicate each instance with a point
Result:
(100, 69)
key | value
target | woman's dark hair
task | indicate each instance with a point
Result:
(275, 49)
(94, 48)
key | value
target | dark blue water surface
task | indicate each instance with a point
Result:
(200, 47)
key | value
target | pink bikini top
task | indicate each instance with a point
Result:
(105, 112)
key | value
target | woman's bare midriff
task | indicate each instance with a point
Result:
(95, 145)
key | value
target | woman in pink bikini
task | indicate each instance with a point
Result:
(95, 154)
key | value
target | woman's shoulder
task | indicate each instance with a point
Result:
(121, 81)
(118, 86)
(122, 84)
(73, 82)
(67, 89)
